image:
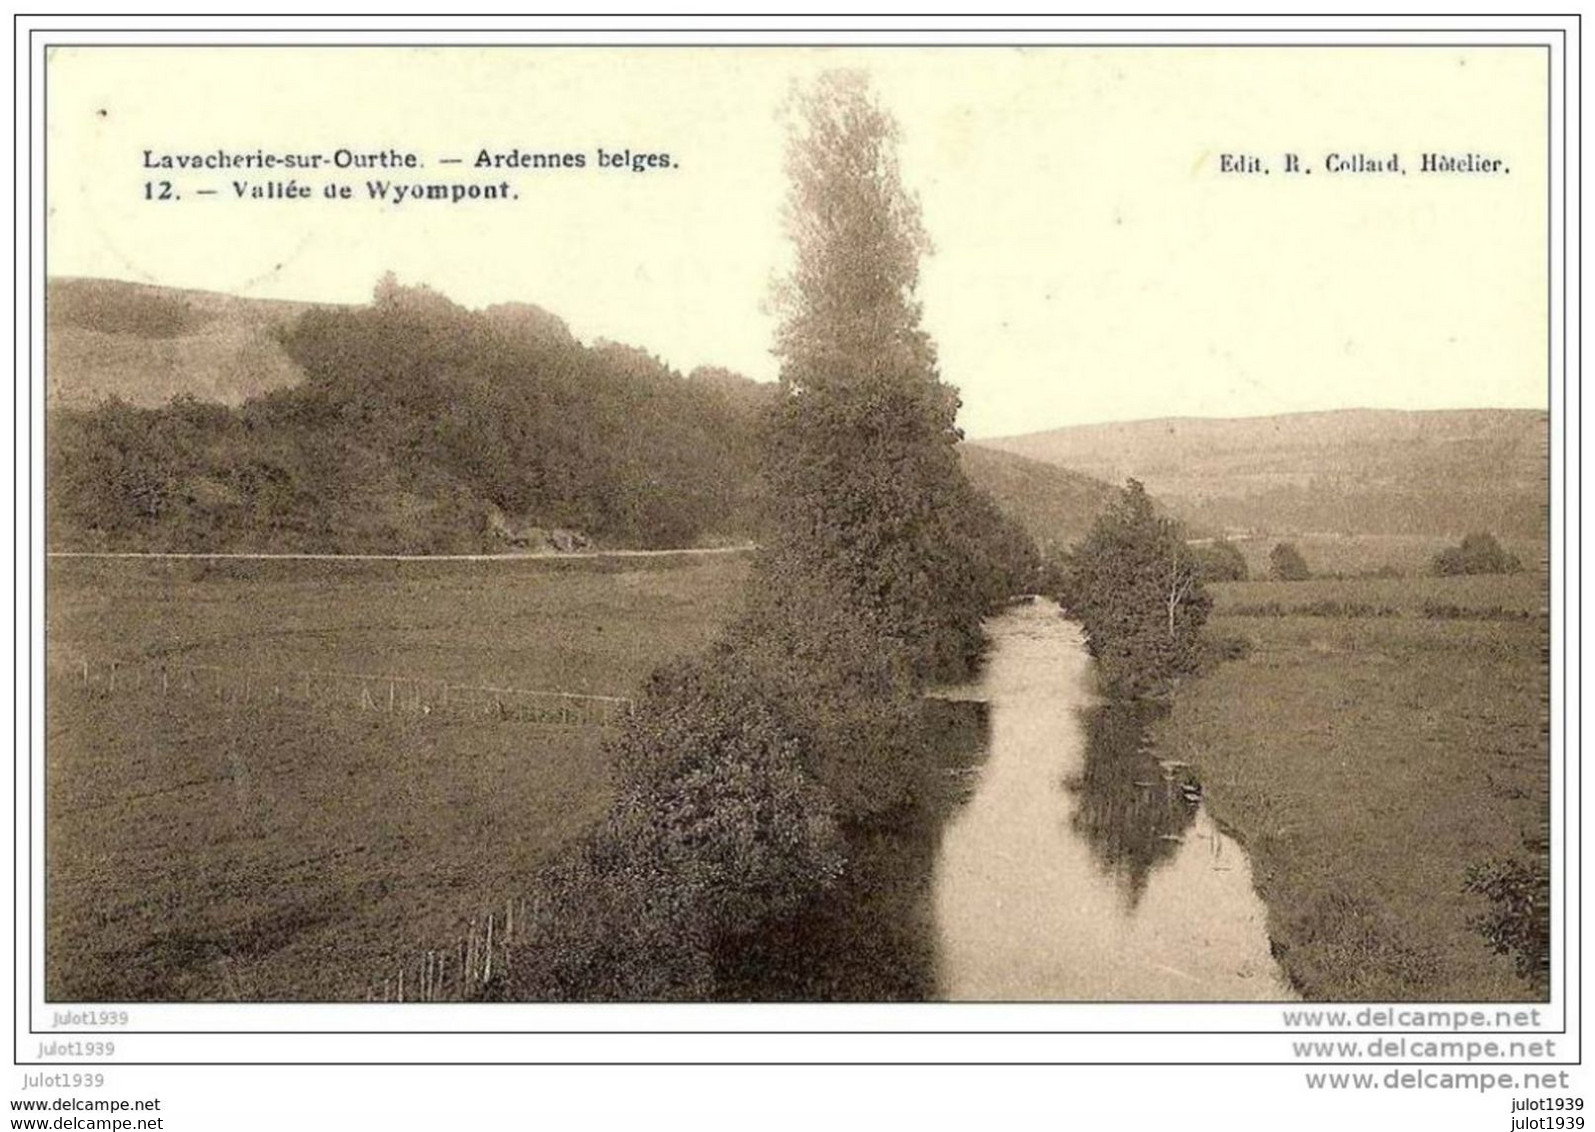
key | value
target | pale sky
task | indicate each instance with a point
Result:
(1092, 262)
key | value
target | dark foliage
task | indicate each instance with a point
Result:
(1322, 608)
(1286, 564)
(418, 425)
(1519, 920)
(1220, 562)
(1135, 587)
(717, 828)
(865, 492)
(1129, 811)
(878, 563)
(1477, 554)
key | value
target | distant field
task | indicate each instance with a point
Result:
(1366, 762)
(201, 849)
(1524, 593)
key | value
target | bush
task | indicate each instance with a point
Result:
(1134, 586)
(1221, 562)
(1286, 563)
(603, 927)
(411, 406)
(715, 797)
(1519, 920)
(716, 828)
(1476, 554)
(850, 689)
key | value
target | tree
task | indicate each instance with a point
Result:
(1478, 554)
(861, 476)
(849, 303)
(1136, 588)
(1221, 561)
(1286, 563)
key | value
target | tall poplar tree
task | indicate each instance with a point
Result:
(861, 471)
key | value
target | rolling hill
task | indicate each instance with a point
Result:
(1352, 472)
(1055, 506)
(146, 344)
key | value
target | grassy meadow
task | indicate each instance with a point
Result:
(211, 849)
(1381, 736)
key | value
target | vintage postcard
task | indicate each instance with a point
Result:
(1021, 523)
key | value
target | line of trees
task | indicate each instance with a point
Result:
(744, 770)
(417, 425)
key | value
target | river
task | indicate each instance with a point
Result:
(1081, 868)
(1057, 860)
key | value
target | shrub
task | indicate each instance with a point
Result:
(1286, 563)
(715, 797)
(717, 827)
(850, 689)
(1220, 562)
(1519, 920)
(1476, 554)
(1134, 586)
(603, 927)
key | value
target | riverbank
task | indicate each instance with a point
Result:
(1366, 762)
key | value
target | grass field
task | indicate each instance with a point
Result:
(1367, 762)
(1483, 596)
(211, 849)
(205, 849)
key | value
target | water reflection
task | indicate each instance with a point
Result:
(1132, 811)
(1050, 858)
(1060, 880)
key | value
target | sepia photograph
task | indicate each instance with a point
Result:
(781, 524)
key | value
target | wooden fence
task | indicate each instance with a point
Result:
(344, 691)
(459, 971)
